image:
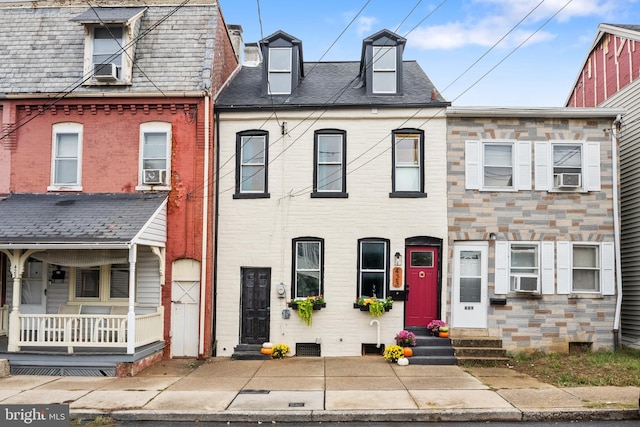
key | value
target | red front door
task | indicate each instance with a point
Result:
(421, 306)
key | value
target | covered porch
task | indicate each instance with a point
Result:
(89, 281)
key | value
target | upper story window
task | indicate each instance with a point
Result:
(66, 165)
(498, 165)
(381, 63)
(109, 46)
(373, 268)
(279, 71)
(384, 69)
(251, 164)
(308, 267)
(408, 163)
(567, 166)
(155, 155)
(330, 176)
(283, 66)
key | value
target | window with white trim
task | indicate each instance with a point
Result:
(586, 268)
(100, 283)
(251, 164)
(567, 166)
(155, 155)
(408, 161)
(66, 167)
(279, 79)
(498, 165)
(585, 275)
(107, 52)
(330, 158)
(524, 267)
(373, 268)
(384, 69)
(308, 267)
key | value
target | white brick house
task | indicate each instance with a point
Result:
(329, 175)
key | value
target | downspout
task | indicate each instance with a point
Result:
(616, 229)
(215, 223)
(205, 222)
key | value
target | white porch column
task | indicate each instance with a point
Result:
(131, 316)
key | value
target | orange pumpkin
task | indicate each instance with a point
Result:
(266, 350)
(408, 352)
(444, 334)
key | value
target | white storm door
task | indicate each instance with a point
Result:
(33, 298)
(185, 297)
(469, 308)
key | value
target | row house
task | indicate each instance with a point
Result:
(610, 77)
(106, 158)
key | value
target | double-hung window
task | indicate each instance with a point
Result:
(586, 269)
(498, 165)
(67, 157)
(384, 69)
(251, 164)
(108, 41)
(524, 267)
(308, 267)
(567, 166)
(155, 149)
(373, 268)
(279, 71)
(101, 283)
(408, 162)
(330, 157)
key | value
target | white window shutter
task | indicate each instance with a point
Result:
(548, 261)
(523, 163)
(563, 250)
(472, 166)
(591, 175)
(607, 262)
(542, 165)
(501, 282)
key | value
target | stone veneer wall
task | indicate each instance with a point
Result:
(545, 322)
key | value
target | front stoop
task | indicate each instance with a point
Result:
(248, 352)
(479, 349)
(431, 350)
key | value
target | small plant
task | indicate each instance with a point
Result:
(393, 353)
(279, 351)
(435, 325)
(405, 339)
(305, 307)
(375, 305)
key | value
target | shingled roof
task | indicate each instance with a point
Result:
(43, 49)
(41, 219)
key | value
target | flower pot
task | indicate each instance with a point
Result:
(408, 352)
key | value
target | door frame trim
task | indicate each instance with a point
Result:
(455, 274)
(429, 241)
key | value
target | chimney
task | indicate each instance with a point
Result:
(235, 34)
(252, 55)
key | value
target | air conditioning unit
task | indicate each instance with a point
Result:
(154, 176)
(572, 180)
(107, 72)
(524, 284)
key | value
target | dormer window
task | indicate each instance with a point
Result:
(109, 49)
(381, 63)
(282, 70)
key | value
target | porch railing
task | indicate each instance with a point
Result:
(88, 330)
(4, 320)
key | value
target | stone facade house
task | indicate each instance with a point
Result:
(107, 124)
(532, 238)
(610, 77)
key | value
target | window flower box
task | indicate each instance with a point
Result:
(375, 306)
(306, 306)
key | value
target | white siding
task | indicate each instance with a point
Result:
(148, 286)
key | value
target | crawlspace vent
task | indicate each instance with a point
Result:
(307, 349)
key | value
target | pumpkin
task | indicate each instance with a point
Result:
(444, 334)
(264, 350)
(267, 345)
(403, 361)
(408, 352)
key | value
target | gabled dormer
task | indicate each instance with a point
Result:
(381, 63)
(282, 68)
(109, 47)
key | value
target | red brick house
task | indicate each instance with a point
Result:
(106, 158)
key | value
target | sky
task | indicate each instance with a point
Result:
(477, 52)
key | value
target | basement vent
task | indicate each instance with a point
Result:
(372, 349)
(63, 371)
(308, 350)
(296, 404)
(579, 347)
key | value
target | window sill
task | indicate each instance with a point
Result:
(153, 188)
(64, 188)
(407, 195)
(251, 195)
(329, 195)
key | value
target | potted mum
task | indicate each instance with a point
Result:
(405, 339)
(393, 353)
(434, 326)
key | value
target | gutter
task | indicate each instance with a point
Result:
(550, 112)
(215, 226)
(60, 96)
(615, 126)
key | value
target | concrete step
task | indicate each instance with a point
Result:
(480, 352)
(433, 351)
(433, 360)
(485, 342)
(479, 349)
(248, 352)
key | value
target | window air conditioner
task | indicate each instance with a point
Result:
(154, 176)
(568, 180)
(105, 72)
(525, 284)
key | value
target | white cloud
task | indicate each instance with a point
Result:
(365, 24)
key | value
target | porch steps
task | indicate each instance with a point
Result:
(431, 350)
(248, 352)
(479, 349)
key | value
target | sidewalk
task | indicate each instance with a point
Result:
(320, 389)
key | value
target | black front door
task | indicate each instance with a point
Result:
(256, 286)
